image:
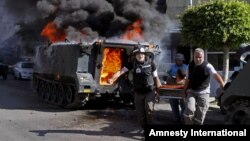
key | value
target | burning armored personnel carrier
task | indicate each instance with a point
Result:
(70, 74)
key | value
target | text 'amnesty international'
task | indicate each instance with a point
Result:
(193, 133)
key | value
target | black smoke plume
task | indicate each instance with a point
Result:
(87, 20)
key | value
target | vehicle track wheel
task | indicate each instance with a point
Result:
(238, 115)
(69, 95)
(43, 90)
(53, 93)
(60, 95)
(241, 117)
(47, 92)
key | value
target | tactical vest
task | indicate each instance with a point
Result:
(142, 76)
(199, 76)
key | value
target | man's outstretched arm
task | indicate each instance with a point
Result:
(117, 75)
(218, 78)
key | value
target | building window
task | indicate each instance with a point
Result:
(216, 59)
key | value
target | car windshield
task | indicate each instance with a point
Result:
(27, 65)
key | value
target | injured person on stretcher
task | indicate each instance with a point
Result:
(174, 86)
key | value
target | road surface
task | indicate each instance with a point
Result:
(23, 117)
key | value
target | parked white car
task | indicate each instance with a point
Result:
(23, 70)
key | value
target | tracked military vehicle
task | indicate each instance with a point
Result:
(235, 100)
(71, 74)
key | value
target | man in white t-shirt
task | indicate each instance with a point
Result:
(197, 88)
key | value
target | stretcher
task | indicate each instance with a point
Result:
(171, 91)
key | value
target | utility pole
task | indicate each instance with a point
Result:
(191, 48)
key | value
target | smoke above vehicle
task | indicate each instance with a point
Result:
(88, 20)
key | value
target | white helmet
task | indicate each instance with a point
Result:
(139, 48)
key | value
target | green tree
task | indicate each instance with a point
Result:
(218, 24)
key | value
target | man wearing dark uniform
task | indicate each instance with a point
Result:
(145, 83)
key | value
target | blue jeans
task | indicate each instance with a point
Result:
(176, 104)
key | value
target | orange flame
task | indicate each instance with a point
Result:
(133, 31)
(54, 34)
(111, 63)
